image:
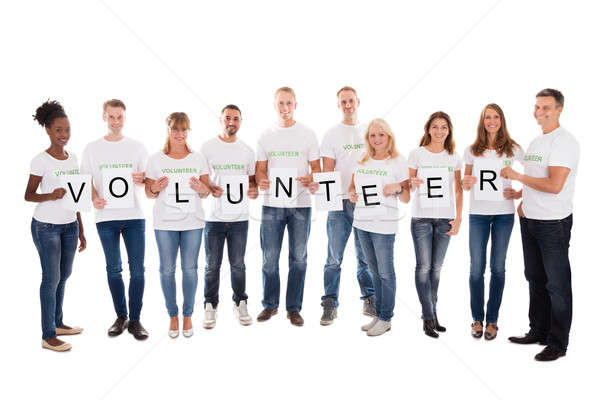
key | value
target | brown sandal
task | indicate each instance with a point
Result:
(491, 330)
(477, 329)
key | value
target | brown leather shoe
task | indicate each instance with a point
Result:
(266, 314)
(295, 318)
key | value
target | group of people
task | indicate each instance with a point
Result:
(360, 153)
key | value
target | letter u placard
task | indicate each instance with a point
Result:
(234, 200)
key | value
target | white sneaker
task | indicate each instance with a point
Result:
(379, 328)
(241, 312)
(370, 324)
(210, 316)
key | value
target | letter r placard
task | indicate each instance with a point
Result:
(489, 185)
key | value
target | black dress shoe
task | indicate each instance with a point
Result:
(429, 328)
(438, 327)
(137, 330)
(550, 353)
(528, 338)
(118, 327)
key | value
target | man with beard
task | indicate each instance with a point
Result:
(226, 156)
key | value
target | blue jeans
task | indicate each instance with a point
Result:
(339, 226)
(548, 271)
(431, 242)
(378, 249)
(480, 227)
(56, 244)
(215, 235)
(188, 242)
(274, 222)
(134, 237)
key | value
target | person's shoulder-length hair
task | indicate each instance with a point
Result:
(391, 147)
(503, 144)
(449, 142)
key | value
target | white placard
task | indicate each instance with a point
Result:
(79, 192)
(329, 196)
(283, 191)
(118, 187)
(489, 185)
(180, 197)
(370, 197)
(435, 190)
(234, 200)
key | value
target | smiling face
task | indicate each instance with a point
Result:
(59, 132)
(438, 130)
(177, 135)
(348, 102)
(492, 121)
(230, 121)
(546, 111)
(114, 118)
(285, 104)
(378, 139)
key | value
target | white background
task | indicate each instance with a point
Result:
(407, 60)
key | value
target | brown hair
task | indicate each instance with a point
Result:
(391, 148)
(287, 90)
(177, 120)
(346, 88)
(113, 103)
(503, 144)
(558, 96)
(449, 142)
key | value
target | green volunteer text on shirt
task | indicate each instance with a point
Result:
(179, 170)
(74, 171)
(283, 154)
(116, 165)
(533, 157)
(371, 172)
(228, 166)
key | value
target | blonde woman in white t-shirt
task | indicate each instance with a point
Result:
(55, 230)
(436, 213)
(489, 218)
(177, 230)
(380, 166)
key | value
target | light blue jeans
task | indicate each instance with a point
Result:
(189, 243)
(339, 226)
(431, 242)
(378, 249)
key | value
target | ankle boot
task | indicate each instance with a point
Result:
(429, 328)
(438, 327)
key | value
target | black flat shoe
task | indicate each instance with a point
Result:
(137, 330)
(438, 327)
(429, 328)
(528, 338)
(550, 353)
(118, 327)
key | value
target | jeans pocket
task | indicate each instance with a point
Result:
(43, 227)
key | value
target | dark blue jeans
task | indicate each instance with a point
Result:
(339, 226)
(215, 235)
(431, 242)
(133, 231)
(480, 228)
(548, 271)
(272, 227)
(56, 244)
(379, 252)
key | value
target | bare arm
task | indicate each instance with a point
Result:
(261, 177)
(328, 164)
(552, 184)
(32, 195)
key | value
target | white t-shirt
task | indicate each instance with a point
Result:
(160, 165)
(423, 158)
(225, 158)
(488, 207)
(103, 155)
(345, 144)
(51, 170)
(292, 147)
(554, 149)
(390, 170)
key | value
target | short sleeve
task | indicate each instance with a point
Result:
(142, 158)
(564, 153)
(37, 166)
(327, 148)
(251, 163)
(519, 154)
(413, 159)
(202, 164)
(468, 156)
(457, 162)
(402, 170)
(86, 161)
(261, 154)
(313, 149)
(152, 170)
